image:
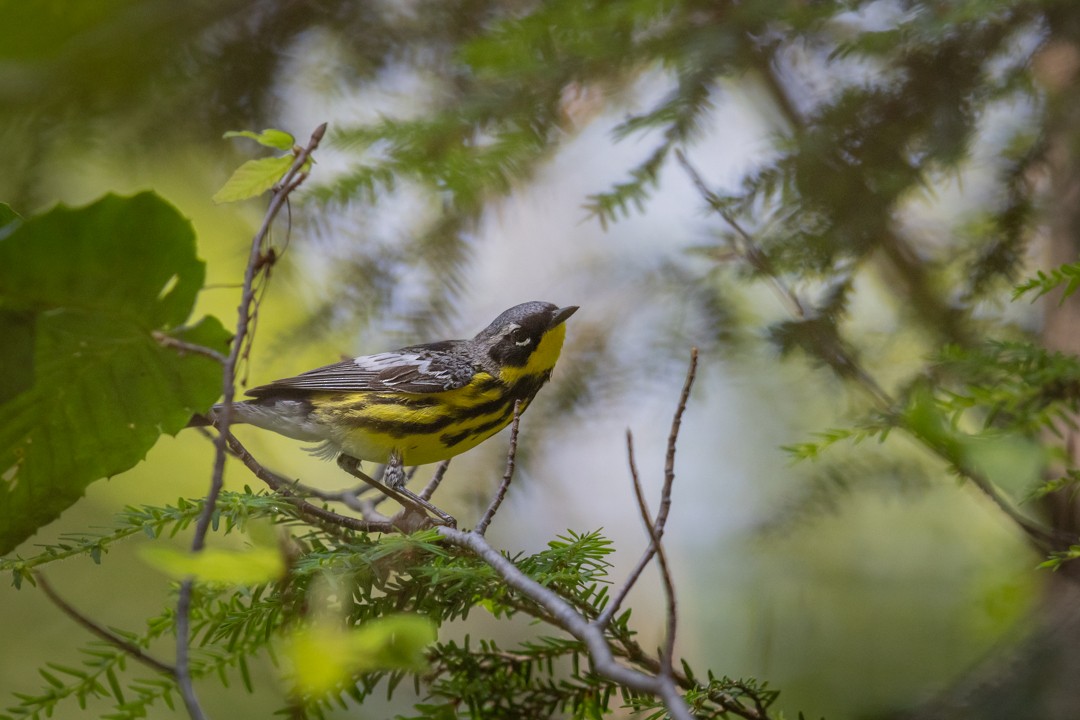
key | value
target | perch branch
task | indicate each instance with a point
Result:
(566, 617)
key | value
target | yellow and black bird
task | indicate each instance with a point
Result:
(417, 405)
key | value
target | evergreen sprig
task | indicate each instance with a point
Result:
(1016, 386)
(1046, 282)
(152, 521)
(376, 577)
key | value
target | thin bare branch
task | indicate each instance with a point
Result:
(673, 439)
(905, 260)
(287, 185)
(186, 347)
(436, 480)
(603, 661)
(660, 522)
(100, 631)
(751, 253)
(666, 669)
(748, 250)
(643, 562)
(379, 498)
(500, 493)
(350, 498)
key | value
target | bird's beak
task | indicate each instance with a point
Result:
(562, 314)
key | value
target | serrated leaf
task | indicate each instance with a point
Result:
(253, 178)
(271, 138)
(85, 390)
(7, 215)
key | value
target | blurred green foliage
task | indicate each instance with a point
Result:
(872, 108)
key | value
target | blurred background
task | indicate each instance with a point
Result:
(869, 583)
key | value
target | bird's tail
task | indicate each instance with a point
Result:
(200, 420)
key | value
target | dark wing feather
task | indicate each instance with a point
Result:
(417, 369)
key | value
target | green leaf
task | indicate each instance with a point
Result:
(218, 565)
(7, 215)
(85, 391)
(324, 655)
(278, 139)
(253, 178)
(16, 352)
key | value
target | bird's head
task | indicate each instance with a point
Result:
(526, 339)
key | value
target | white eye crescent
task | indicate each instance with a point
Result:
(519, 337)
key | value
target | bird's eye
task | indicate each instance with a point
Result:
(519, 337)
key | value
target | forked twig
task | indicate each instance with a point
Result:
(566, 617)
(500, 493)
(288, 183)
(665, 495)
(657, 546)
(350, 498)
(748, 250)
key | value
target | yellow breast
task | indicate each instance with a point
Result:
(421, 428)
(428, 427)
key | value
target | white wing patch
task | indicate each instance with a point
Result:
(411, 368)
(381, 361)
(418, 369)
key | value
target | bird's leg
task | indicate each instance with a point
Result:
(361, 489)
(394, 485)
(394, 472)
(394, 477)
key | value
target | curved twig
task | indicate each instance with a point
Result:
(100, 631)
(500, 493)
(665, 494)
(287, 185)
(657, 547)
